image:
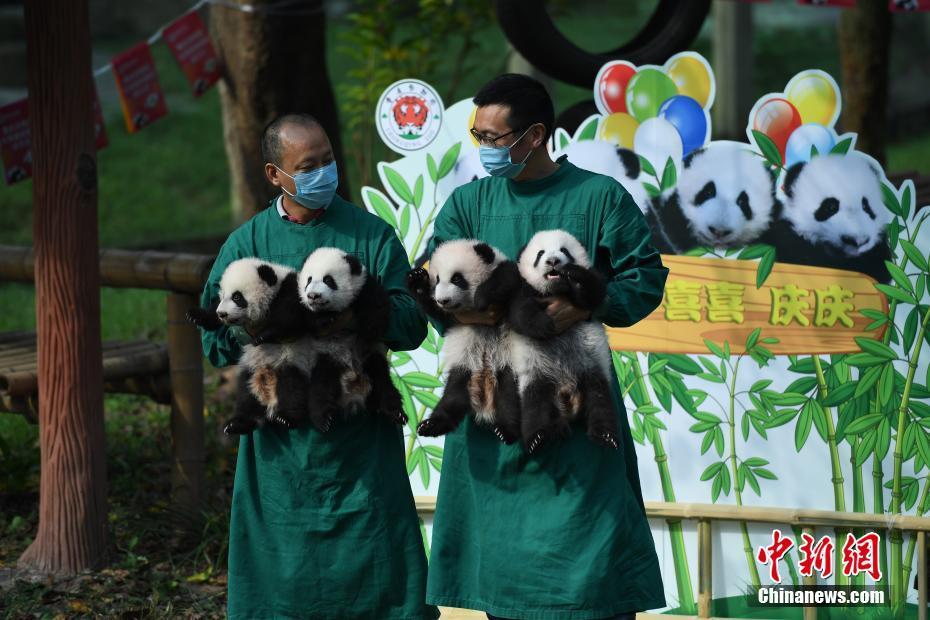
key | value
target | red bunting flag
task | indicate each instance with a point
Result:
(140, 93)
(896, 6)
(188, 40)
(846, 4)
(15, 145)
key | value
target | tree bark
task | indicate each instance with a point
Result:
(72, 495)
(864, 35)
(275, 64)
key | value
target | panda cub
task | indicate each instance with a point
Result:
(262, 297)
(560, 376)
(725, 197)
(350, 367)
(833, 216)
(470, 275)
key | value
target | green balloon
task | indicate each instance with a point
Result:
(647, 90)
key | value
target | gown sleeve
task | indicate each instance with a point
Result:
(637, 276)
(450, 224)
(224, 345)
(407, 325)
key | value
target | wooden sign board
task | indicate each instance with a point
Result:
(809, 309)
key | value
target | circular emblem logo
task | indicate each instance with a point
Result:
(409, 115)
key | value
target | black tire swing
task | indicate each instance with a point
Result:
(672, 27)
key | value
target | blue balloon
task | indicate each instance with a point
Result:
(803, 138)
(688, 117)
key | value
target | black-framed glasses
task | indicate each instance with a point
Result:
(488, 140)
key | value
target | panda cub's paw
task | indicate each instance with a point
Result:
(240, 426)
(394, 414)
(603, 437)
(323, 419)
(432, 427)
(203, 318)
(418, 282)
(504, 435)
(542, 437)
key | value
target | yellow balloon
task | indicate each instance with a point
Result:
(619, 129)
(692, 77)
(815, 95)
(471, 123)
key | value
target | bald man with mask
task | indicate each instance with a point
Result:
(323, 525)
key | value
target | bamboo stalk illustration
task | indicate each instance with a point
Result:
(898, 588)
(912, 543)
(839, 493)
(747, 544)
(679, 554)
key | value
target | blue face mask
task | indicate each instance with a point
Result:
(315, 188)
(496, 159)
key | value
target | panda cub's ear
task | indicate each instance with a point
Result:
(267, 274)
(355, 266)
(485, 252)
(790, 177)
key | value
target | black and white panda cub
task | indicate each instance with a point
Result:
(725, 197)
(273, 371)
(560, 376)
(350, 367)
(833, 216)
(467, 275)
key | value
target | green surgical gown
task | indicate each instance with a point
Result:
(324, 526)
(561, 535)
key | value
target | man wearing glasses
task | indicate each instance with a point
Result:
(561, 534)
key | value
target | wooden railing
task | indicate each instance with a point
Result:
(182, 276)
(806, 519)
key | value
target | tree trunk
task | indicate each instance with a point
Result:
(72, 497)
(864, 38)
(274, 64)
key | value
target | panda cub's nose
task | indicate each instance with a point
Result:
(313, 296)
(553, 261)
(222, 314)
(719, 232)
(444, 301)
(853, 241)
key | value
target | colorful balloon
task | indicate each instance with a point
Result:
(610, 86)
(803, 138)
(646, 92)
(777, 119)
(692, 76)
(815, 95)
(657, 140)
(619, 128)
(689, 118)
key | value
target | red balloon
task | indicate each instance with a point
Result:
(611, 86)
(777, 118)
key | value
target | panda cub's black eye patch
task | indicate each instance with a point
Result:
(707, 192)
(239, 300)
(459, 281)
(568, 255)
(867, 208)
(328, 281)
(743, 202)
(538, 256)
(827, 209)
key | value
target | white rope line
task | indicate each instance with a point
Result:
(282, 7)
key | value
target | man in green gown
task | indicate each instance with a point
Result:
(561, 535)
(323, 526)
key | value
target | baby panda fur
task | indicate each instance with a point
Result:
(464, 275)
(262, 297)
(564, 376)
(351, 368)
(833, 216)
(724, 197)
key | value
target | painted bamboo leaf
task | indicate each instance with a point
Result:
(769, 149)
(427, 398)
(840, 395)
(398, 184)
(404, 225)
(897, 274)
(588, 129)
(448, 160)
(802, 429)
(379, 203)
(421, 379)
(418, 191)
(895, 293)
(715, 349)
(431, 168)
(646, 166)
(915, 255)
(842, 147)
(890, 199)
(669, 175)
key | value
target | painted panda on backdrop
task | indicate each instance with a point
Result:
(833, 215)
